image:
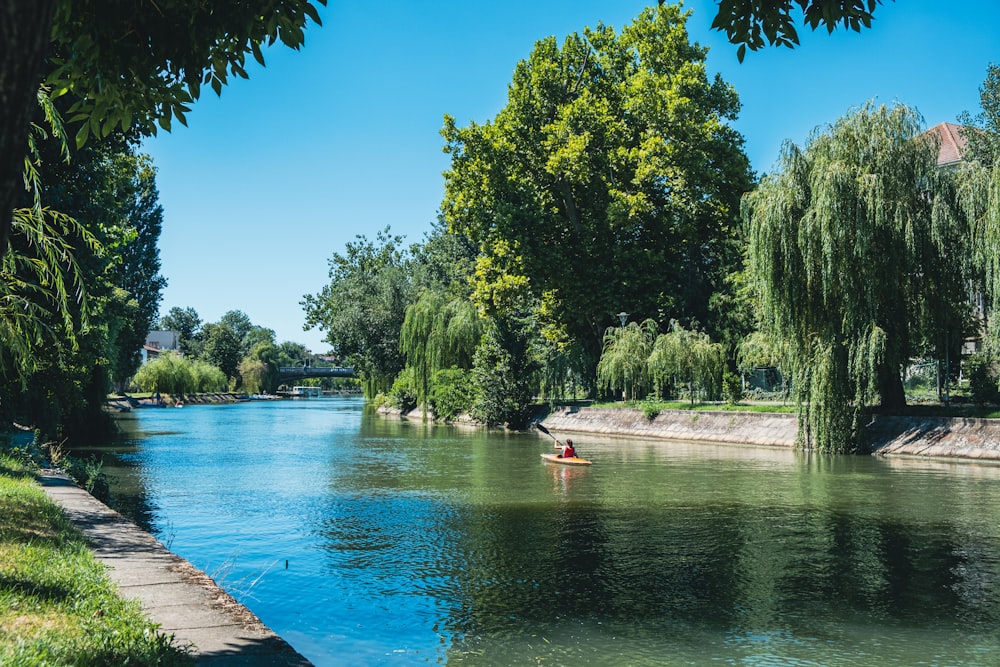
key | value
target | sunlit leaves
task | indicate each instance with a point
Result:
(610, 179)
(856, 260)
(41, 287)
(145, 66)
(624, 362)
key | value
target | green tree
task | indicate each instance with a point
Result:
(258, 336)
(438, 333)
(223, 348)
(291, 354)
(208, 378)
(239, 322)
(168, 373)
(502, 372)
(451, 393)
(109, 192)
(363, 307)
(187, 323)
(855, 255)
(259, 370)
(681, 356)
(979, 193)
(624, 363)
(139, 65)
(609, 181)
(982, 130)
(253, 373)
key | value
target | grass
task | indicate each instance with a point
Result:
(57, 604)
(658, 406)
(953, 409)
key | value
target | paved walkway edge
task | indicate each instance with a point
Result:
(216, 629)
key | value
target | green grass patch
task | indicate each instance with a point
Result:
(57, 604)
(649, 407)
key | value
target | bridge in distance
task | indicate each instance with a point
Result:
(289, 373)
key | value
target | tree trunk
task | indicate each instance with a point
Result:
(25, 32)
(891, 391)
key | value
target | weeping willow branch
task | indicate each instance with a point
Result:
(857, 262)
(43, 298)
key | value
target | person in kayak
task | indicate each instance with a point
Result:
(568, 451)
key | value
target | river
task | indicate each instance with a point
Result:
(370, 541)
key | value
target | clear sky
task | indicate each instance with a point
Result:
(342, 138)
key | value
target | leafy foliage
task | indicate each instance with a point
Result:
(363, 307)
(187, 323)
(85, 284)
(609, 181)
(855, 256)
(403, 393)
(451, 393)
(982, 375)
(749, 22)
(688, 357)
(624, 363)
(502, 373)
(171, 373)
(438, 334)
(223, 348)
(168, 52)
(982, 131)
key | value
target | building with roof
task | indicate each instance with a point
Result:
(952, 143)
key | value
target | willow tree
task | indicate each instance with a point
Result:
(979, 191)
(688, 357)
(623, 364)
(438, 333)
(855, 253)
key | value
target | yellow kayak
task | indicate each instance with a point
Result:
(569, 461)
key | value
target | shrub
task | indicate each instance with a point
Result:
(451, 393)
(403, 394)
(982, 378)
(732, 388)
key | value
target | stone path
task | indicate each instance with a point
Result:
(184, 601)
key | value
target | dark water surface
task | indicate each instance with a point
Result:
(408, 543)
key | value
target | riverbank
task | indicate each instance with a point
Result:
(125, 402)
(58, 604)
(943, 437)
(189, 610)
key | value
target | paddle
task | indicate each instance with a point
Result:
(546, 432)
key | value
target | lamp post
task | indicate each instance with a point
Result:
(622, 316)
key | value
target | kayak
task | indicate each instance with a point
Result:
(569, 461)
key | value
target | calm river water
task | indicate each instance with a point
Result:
(371, 541)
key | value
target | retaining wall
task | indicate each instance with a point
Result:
(956, 437)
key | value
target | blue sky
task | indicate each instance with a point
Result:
(342, 138)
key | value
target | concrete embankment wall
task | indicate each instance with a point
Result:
(965, 438)
(740, 428)
(953, 437)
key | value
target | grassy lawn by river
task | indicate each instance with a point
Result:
(969, 410)
(57, 604)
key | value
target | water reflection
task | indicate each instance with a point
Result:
(413, 543)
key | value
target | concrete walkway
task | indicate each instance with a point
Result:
(185, 602)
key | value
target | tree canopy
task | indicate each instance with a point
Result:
(856, 256)
(363, 307)
(610, 181)
(126, 65)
